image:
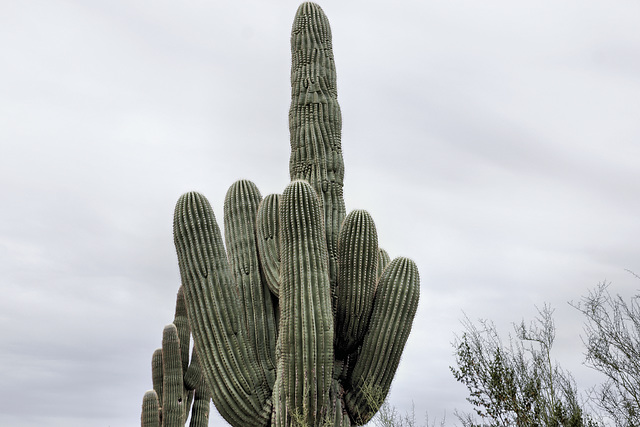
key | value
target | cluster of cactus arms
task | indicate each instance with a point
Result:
(303, 319)
(178, 385)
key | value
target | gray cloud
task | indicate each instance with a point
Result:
(494, 144)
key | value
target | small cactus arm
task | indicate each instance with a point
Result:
(175, 380)
(302, 318)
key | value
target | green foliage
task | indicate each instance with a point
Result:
(389, 416)
(612, 344)
(516, 384)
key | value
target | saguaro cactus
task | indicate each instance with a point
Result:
(302, 320)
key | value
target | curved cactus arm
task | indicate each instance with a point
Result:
(358, 253)
(150, 410)
(305, 364)
(315, 121)
(268, 237)
(193, 378)
(229, 367)
(383, 261)
(394, 308)
(256, 310)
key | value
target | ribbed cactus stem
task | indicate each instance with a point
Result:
(201, 407)
(268, 237)
(229, 365)
(150, 410)
(383, 261)
(306, 319)
(173, 400)
(303, 318)
(181, 321)
(315, 121)
(156, 373)
(358, 253)
(393, 312)
(174, 380)
(256, 308)
(193, 378)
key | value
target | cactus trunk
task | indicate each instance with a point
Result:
(315, 121)
(306, 319)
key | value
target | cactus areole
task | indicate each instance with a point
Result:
(302, 319)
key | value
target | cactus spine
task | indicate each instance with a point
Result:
(303, 319)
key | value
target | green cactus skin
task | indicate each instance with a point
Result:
(174, 378)
(383, 261)
(231, 369)
(174, 400)
(268, 238)
(193, 379)
(304, 318)
(200, 410)
(315, 121)
(181, 322)
(358, 255)
(150, 410)
(394, 308)
(156, 373)
(256, 310)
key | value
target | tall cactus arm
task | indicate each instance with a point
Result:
(150, 410)
(315, 121)
(358, 254)
(229, 365)
(256, 308)
(181, 321)
(174, 400)
(156, 373)
(394, 308)
(306, 318)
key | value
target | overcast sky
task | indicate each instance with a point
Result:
(496, 143)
